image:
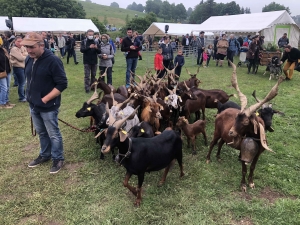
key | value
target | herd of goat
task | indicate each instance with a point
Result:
(146, 122)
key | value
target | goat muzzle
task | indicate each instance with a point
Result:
(232, 132)
(105, 149)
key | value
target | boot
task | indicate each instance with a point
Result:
(140, 57)
(253, 69)
(249, 67)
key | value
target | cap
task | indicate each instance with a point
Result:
(256, 36)
(31, 39)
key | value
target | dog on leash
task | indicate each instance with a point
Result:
(274, 68)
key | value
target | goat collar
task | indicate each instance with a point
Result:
(101, 121)
(128, 153)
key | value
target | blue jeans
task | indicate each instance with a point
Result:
(62, 51)
(131, 66)
(21, 81)
(200, 58)
(46, 125)
(4, 89)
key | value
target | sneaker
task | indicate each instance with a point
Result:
(23, 100)
(15, 85)
(39, 160)
(76, 63)
(56, 166)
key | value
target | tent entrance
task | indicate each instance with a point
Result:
(280, 30)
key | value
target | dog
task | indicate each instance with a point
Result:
(274, 67)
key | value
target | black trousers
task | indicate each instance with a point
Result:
(178, 70)
(230, 55)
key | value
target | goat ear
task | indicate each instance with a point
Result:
(123, 135)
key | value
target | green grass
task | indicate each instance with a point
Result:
(90, 191)
(114, 16)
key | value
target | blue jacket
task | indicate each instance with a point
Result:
(180, 60)
(234, 45)
(111, 42)
(42, 76)
(167, 52)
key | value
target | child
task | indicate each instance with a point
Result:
(158, 63)
(209, 53)
(205, 57)
(180, 60)
(137, 42)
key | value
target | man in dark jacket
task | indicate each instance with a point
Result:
(46, 79)
(292, 55)
(283, 41)
(200, 47)
(70, 43)
(131, 54)
(185, 44)
(90, 49)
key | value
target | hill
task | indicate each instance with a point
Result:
(115, 16)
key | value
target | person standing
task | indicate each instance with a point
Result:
(167, 53)
(179, 63)
(283, 41)
(201, 47)
(106, 56)
(292, 55)
(158, 63)
(90, 49)
(215, 47)
(46, 81)
(185, 44)
(61, 41)
(18, 54)
(234, 46)
(5, 69)
(70, 43)
(222, 46)
(45, 39)
(253, 53)
(150, 40)
(131, 56)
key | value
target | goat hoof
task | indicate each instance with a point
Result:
(244, 188)
(207, 161)
(161, 183)
(137, 203)
(194, 153)
(101, 156)
(251, 185)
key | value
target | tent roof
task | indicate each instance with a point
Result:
(158, 29)
(26, 24)
(246, 22)
(3, 26)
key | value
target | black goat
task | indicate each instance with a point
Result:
(226, 105)
(141, 155)
(143, 129)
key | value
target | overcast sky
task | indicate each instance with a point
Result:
(255, 5)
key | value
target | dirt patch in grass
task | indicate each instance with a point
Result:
(244, 221)
(4, 198)
(37, 219)
(30, 148)
(272, 196)
(243, 195)
(73, 167)
(73, 180)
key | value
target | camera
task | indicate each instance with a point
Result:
(166, 28)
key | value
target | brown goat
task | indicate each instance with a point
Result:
(192, 130)
(151, 114)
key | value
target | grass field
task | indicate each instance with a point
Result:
(116, 16)
(90, 191)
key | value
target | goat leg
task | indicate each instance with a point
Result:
(125, 183)
(194, 145)
(139, 189)
(212, 144)
(221, 142)
(188, 142)
(244, 172)
(205, 137)
(163, 179)
(252, 168)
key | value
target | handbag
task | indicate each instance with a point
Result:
(4, 74)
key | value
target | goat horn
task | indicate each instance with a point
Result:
(254, 96)
(272, 94)
(113, 99)
(168, 71)
(154, 96)
(198, 70)
(170, 92)
(187, 88)
(188, 71)
(94, 96)
(263, 139)
(120, 105)
(243, 98)
(105, 73)
(119, 123)
(111, 117)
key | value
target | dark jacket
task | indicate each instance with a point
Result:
(4, 62)
(292, 56)
(240, 40)
(90, 55)
(132, 53)
(46, 73)
(215, 44)
(46, 43)
(167, 51)
(282, 42)
(183, 42)
(70, 43)
(180, 60)
(253, 48)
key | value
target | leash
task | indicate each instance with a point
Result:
(92, 128)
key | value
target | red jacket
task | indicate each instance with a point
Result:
(158, 62)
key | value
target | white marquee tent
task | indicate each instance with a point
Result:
(272, 25)
(27, 24)
(3, 26)
(158, 29)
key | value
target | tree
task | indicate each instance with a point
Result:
(140, 8)
(105, 22)
(114, 4)
(153, 6)
(247, 10)
(141, 24)
(189, 11)
(231, 8)
(180, 12)
(42, 8)
(99, 25)
(242, 10)
(165, 10)
(90, 1)
(273, 6)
